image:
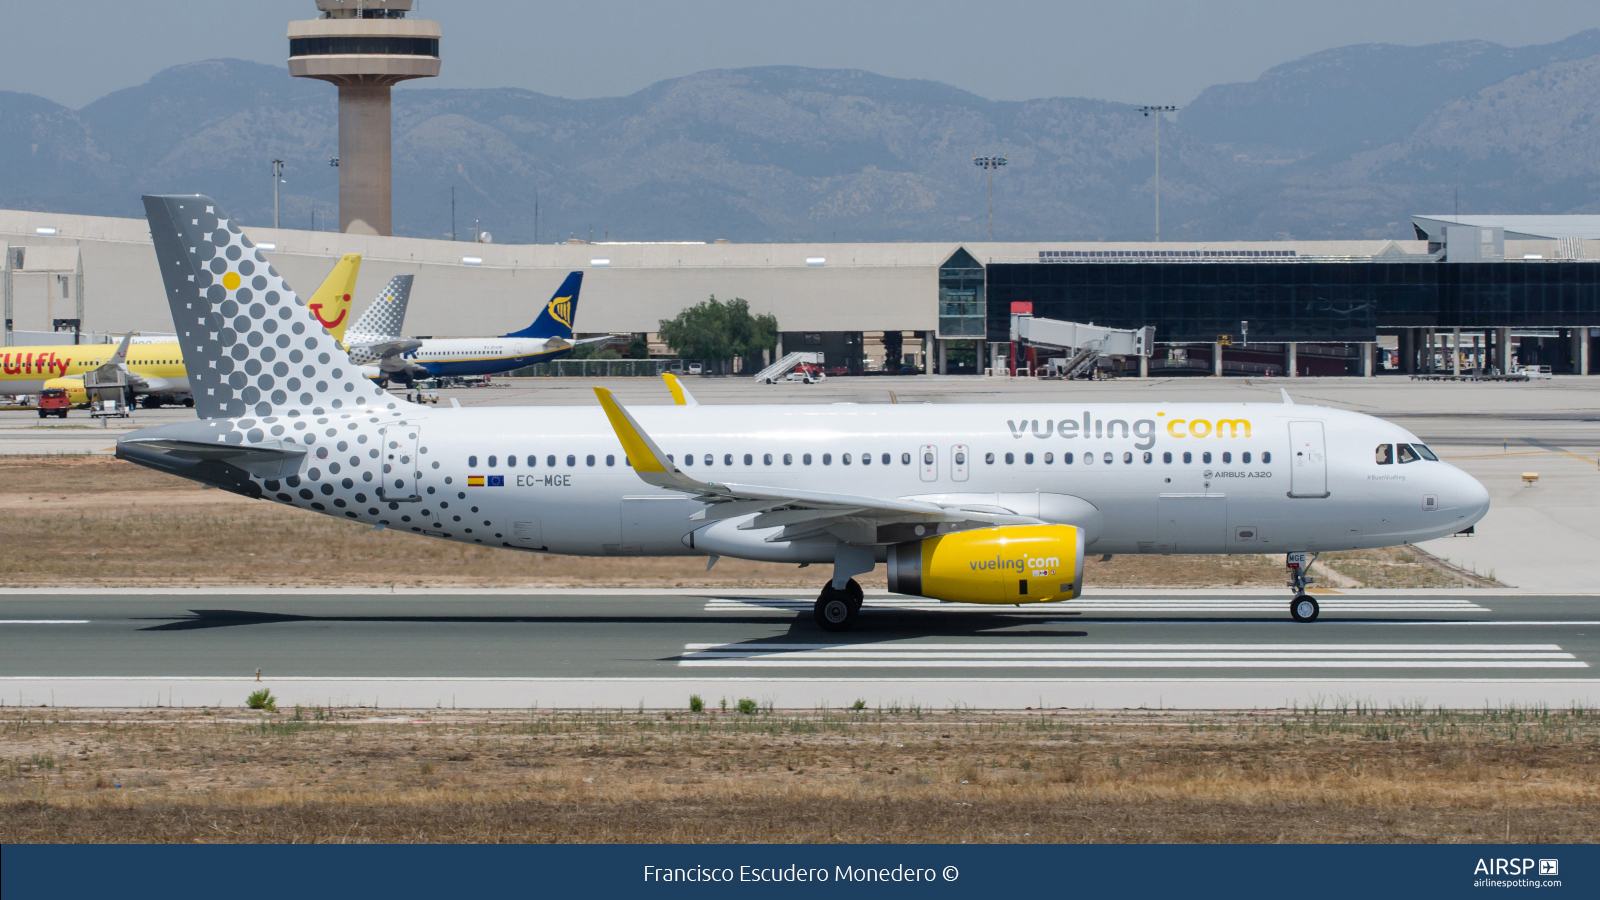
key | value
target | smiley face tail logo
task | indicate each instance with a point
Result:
(316, 310)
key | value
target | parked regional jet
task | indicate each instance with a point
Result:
(991, 503)
(388, 356)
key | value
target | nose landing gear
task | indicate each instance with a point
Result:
(1303, 608)
(836, 610)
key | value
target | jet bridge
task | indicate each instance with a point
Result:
(1085, 345)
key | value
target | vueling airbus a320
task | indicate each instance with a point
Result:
(992, 503)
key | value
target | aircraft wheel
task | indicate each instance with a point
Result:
(854, 595)
(834, 611)
(1304, 609)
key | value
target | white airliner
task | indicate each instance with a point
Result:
(993, 503)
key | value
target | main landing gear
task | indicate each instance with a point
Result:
(1303, 608)
(836, 610)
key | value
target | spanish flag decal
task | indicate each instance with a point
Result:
(474, 481)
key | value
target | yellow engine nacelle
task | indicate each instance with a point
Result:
(1008, 564)
(73, 385)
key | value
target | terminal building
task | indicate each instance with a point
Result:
(1469, 291)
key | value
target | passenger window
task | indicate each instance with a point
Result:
(1088, 459)
(1066, 459)
(1010, 458)
(1385, 454)
(1227, 457)
(727, 459)
(806, 459)
(1127, 458)
(1108, 458)
(571, 460)
(491, 462)
(989, 458)
(885, 459)
(1407, 455)
(472, 462)
(1149, 457)
(1166, 458)
(927, 458)
(788, 459)
(1245, 457)
(688, 459)
(844, 459)
(532, 460)
(1206, 457)
(866, 459)
(1049, 458)
(709, 459)
(1425, 452)
(905, 459)
(589, 460)
(1266, 456)
(550, 461)
(1188, 457)
(749, 460)
(511, 462)
(1027, 458)
(766, 459)
(827, 459)
(611, 459)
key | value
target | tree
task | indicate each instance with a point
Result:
(717, 330)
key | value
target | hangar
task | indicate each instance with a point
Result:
(1497, 289)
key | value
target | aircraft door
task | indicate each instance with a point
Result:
(1308, 460)
(960, 460)
(400, 464)
(928, 460)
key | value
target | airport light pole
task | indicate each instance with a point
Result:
(277, 179)
(1159, 112)
(990, 163)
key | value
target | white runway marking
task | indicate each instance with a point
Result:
(1131, 656)
(1272, 605)
(44, 621)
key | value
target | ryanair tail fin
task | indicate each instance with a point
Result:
(251, 347)
(387, 315)
(331, 303)
(556, 319)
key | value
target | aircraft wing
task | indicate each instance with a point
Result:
(383, 349)
(801, 513)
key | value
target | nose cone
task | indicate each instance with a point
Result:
(1470, 496)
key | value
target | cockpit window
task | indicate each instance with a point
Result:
(1425, 452)
(1407, 455)
(1385, 454)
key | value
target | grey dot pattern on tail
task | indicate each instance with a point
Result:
(260, 351)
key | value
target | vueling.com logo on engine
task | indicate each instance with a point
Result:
(1041, 565)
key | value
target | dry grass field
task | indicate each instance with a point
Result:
(97, 521)
(889, 775)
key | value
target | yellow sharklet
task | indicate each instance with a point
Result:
(680, 394)
(640, 449)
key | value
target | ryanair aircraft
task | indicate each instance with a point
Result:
(995, 503)
(391, 357)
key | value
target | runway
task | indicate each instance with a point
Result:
(1206, 650)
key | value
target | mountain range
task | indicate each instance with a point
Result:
(1346, 143)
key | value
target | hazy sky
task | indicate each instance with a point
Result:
(1145, 51)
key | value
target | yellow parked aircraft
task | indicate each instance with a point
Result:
(154, 371)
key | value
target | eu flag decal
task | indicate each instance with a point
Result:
(497, 481)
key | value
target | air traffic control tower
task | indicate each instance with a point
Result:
(364, 47)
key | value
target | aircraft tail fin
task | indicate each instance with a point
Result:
(331, 303)
(558, 314)
(251, 346)
(120, 358)
(387, 315)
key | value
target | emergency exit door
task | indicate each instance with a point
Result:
(400, 464)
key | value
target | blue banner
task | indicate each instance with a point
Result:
(246, 872)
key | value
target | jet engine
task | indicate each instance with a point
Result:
(1006, 564)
